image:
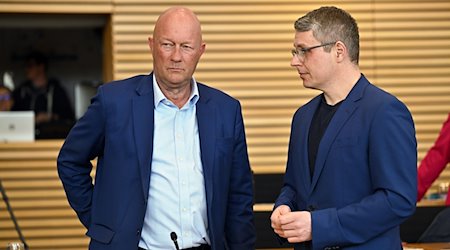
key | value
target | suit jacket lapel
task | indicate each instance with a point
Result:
(206, 127)
(143, 123)
(343, 113)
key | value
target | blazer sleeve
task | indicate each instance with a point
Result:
(435, 160)
(393, 169)
(288, 194)
(240, 229)
(83, 144)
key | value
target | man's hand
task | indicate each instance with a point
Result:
(294, 226)
(275, 219)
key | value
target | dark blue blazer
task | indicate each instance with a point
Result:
(118, 129)
(365, 180)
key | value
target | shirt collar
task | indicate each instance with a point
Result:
(159, 96)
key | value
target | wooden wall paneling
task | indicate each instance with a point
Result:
(412, 55)
(29, 176)
(56, 6)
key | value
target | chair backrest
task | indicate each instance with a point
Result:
(439, 229)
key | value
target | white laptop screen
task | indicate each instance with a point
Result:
(16, 126)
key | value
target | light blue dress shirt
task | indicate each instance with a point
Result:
(177, 198)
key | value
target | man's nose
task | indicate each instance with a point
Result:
(295, 61)
(176, 54)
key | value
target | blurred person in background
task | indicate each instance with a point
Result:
(6, 100)
(435, 162)
(430, 168)
(42, 94)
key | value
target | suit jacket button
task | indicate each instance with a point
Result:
(138, 232)
(311, 208)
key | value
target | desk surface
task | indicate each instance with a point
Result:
(431, 203)
(415, 246)
(428, 246)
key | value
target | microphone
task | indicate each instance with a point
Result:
(173, 236)
(13, 218)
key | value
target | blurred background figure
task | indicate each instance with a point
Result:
(435, 162)
(42, 94)
(6, 88)
(54, 115)
(430, 168)
(6, 101)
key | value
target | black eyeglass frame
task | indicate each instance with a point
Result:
(301, 52)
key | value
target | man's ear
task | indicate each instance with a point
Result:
(202, 48)
(341, 51)
(150, 43)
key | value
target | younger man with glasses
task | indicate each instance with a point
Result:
(351, 172)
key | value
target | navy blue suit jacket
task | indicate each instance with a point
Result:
(118, 129)
(365, 179)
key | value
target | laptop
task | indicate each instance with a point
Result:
(16, 126)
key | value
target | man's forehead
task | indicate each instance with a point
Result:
(304, 38)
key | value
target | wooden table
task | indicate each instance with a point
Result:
(431, 203)
(424, 246)
(429, 246)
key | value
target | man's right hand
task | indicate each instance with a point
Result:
(275, 219)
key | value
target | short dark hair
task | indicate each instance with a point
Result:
(38, 58)
(330, 24)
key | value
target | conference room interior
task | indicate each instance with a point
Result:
(93, 42)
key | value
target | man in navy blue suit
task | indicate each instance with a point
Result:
(171, 155)
(351, 173)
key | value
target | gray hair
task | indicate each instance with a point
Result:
(330, 24)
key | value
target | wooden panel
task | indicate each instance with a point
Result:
(412, 48)
(28, 173)
(56, 6)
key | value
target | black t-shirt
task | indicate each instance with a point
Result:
(322, 117)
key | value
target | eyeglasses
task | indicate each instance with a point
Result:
(300, 53)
